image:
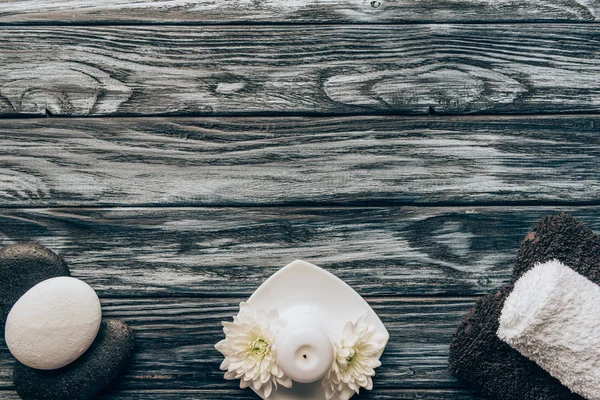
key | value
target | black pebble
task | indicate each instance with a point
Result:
(108, 356)
(480, 358)
(22, 266)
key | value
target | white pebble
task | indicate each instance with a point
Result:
(54, 323)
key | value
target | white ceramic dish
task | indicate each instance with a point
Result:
(304, 292)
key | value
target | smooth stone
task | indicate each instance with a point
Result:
(22, 266)
(54, 323)
(106, 359)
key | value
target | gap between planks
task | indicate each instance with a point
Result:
(209, 24)
(432, 113)
(431, 116)
(224, 394)
(314, 205)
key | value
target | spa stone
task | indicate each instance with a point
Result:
(22, 266)
(54, 323)
(107, 358)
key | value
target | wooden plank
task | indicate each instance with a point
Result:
(458, 69)
(175, 342)
(309, 11)
(230, 251)
(380, 394)
(290, 161)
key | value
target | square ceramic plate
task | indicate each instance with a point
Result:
(301, 285)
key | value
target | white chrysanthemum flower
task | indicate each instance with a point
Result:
(356, 357)
(250, 351)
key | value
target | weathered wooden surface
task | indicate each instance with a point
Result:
(279, 161)
(175, 342)
(383, 394)
(212, 206)
(413, 69)
(229, 251)
(312, 11)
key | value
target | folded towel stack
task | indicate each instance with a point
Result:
(480, 358)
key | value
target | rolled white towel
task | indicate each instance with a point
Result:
(552, 316)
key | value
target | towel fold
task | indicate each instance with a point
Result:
(496, 370)
(552, 316)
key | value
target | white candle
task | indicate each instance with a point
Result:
(304, 351)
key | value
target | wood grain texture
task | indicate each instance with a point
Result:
(308, 11)
(287, 161)
(229, 251)
(412, 69)
(175, 342)
(381, 394)
(173, 273)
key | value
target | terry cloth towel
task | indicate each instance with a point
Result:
(552, 316)
(496, 370)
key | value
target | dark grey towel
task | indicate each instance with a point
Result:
(480, 358)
